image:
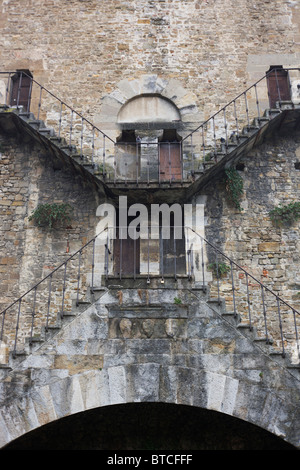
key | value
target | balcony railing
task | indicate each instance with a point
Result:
(145, 161)
(106, 256)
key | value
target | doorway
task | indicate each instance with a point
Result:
(126, 252)
(172, 250)
(21, 83)
(278, 85)
(170, 162)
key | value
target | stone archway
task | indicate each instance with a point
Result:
(185, 355)
(128, 89)
(150, 427)
(139, 383)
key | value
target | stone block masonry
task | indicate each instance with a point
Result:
(28, 252)
(213, 54)
(89, 368)
(268, 251)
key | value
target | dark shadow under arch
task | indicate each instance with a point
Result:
(149, 426)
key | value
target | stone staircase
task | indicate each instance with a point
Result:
(227, 153)
(178, 311)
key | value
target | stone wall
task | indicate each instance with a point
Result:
(28, 252)
(82, 50)
(269, 252)
(177, 354)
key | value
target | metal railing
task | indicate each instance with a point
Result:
(195, 259)
(136, 162)
(66, 123)
(246, 112)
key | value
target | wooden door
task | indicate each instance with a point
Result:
(172, 253)
(126, 256)
(170, 161)
(21, 90)
(278, 86)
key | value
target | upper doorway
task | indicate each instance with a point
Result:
(278, 85)
(20, 94)
(170, 162)
(149, 148)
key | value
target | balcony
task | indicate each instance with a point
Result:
(140, 157)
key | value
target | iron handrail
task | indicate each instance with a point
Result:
(42, 87)
(209, 147)
(203, 124)
(189, 250)
(240, 268)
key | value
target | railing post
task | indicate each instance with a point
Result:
(7, 88)
(248, 303)
(247, 109)
(278, 88)
(225, 127)
(2, 324)
(193, 162)
(64, 290)
(257, 102)
(19, 89)
(93, 266)
(81, 139)
(236, 121)
(296, 332)
(104, 156)
(115, 163)
(33, 314)
(78, 278)
(29, 98)
(218, 277)
(280, 327)
(233, 289)
(202, 262)
(264, 313)
(49, 301)
(71, 129)
(17, 327)
(215, 140)
(40, 103)
(60, 119)
(203, 145)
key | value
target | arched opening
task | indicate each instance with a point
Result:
(149, 148)
(150, 109)
(149, 426)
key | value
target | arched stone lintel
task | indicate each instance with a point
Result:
(148, 108)
(127, 89)
(149, 382)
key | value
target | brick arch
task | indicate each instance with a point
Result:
(150, 382)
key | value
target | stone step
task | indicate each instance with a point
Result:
(46, 132)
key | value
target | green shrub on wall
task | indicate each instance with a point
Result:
(234, 187)
(219, 269)
(285, 215)
(50, 214)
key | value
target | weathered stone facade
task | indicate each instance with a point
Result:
(81, 50)
(113, 354)
(269, 252)
(155, 67)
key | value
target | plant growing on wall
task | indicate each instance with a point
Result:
(285, 215)
(49, 214)
(234, 187)
(219, 269)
